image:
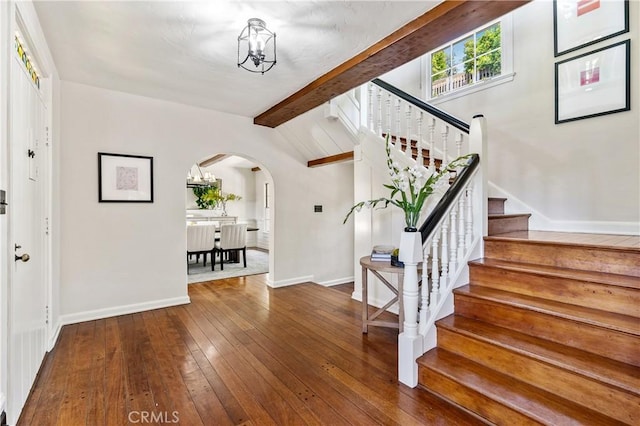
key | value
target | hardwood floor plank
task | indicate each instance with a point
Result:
(236, 381)
(95, 397)
(115, 392)
(74, 406)
(44, 410)
(241, 353)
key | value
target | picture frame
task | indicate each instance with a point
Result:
(594, 83)
(581, 23)
(125, 178)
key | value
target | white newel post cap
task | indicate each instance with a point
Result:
(410, 250)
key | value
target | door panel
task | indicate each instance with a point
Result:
(27, 291)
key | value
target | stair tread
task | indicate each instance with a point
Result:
(576, 274)
(498, 198)
(612, 241)
(614, 321)
(596, 367)
(507, 216)
(519, 396)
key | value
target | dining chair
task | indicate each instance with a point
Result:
(201, 240)
(233, 239)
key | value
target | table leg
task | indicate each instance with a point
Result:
(365, 300)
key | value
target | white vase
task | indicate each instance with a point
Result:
(410, 250)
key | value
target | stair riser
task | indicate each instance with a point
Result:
(601, 259)
(601, 341)
(608, 298)
(496, 206)
(499, 225)
(592, 394)
(457, 393)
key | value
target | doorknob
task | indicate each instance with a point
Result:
(25, 257)
(31, 153)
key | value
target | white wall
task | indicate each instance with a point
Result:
(116, 255)
(583, 175)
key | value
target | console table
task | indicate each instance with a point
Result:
(376, 267)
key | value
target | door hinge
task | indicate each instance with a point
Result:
(46, 226)
(46, 315)
(46, 135)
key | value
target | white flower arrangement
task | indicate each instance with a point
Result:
(410, 187)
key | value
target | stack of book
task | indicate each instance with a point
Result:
(381, 253)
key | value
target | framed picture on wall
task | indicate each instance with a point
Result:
(125, 178)
(593, 84)
(580, 23)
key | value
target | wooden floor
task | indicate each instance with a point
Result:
(240, 353)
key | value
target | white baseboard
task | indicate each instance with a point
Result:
(292, 281)
(540, 222)
(338, 281)
(54, 337)
(122, 310)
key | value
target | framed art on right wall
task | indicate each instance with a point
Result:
(594, 83)
(580, 23)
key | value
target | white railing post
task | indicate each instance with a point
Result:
(478, 144)
(410, 345)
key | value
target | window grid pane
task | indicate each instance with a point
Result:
(465, 62)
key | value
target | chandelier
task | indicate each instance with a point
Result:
(199, 179)
(260, 45)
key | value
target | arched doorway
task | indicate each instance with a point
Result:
(228, 188)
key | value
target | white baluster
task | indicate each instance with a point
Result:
(461, 227)
(432, 142)
(444, 274)
(435, 272)
(424, 294)
(445, 140)
(398, 131)
(380, 111)
(469, 221)
(371, 118)
(459, 143)
(453, 234)
(408, 150)
(419, 157)
(389, 115)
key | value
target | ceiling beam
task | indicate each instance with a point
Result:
(338, 158)
(445, 22)
(212, 160)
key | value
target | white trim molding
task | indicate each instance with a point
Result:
(337, 281)
(122, 310)
(291, 281)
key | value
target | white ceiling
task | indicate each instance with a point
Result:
(186, 51)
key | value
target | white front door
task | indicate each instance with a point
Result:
(27, 289)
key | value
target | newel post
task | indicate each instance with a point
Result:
(410, 341)
(478, 144)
